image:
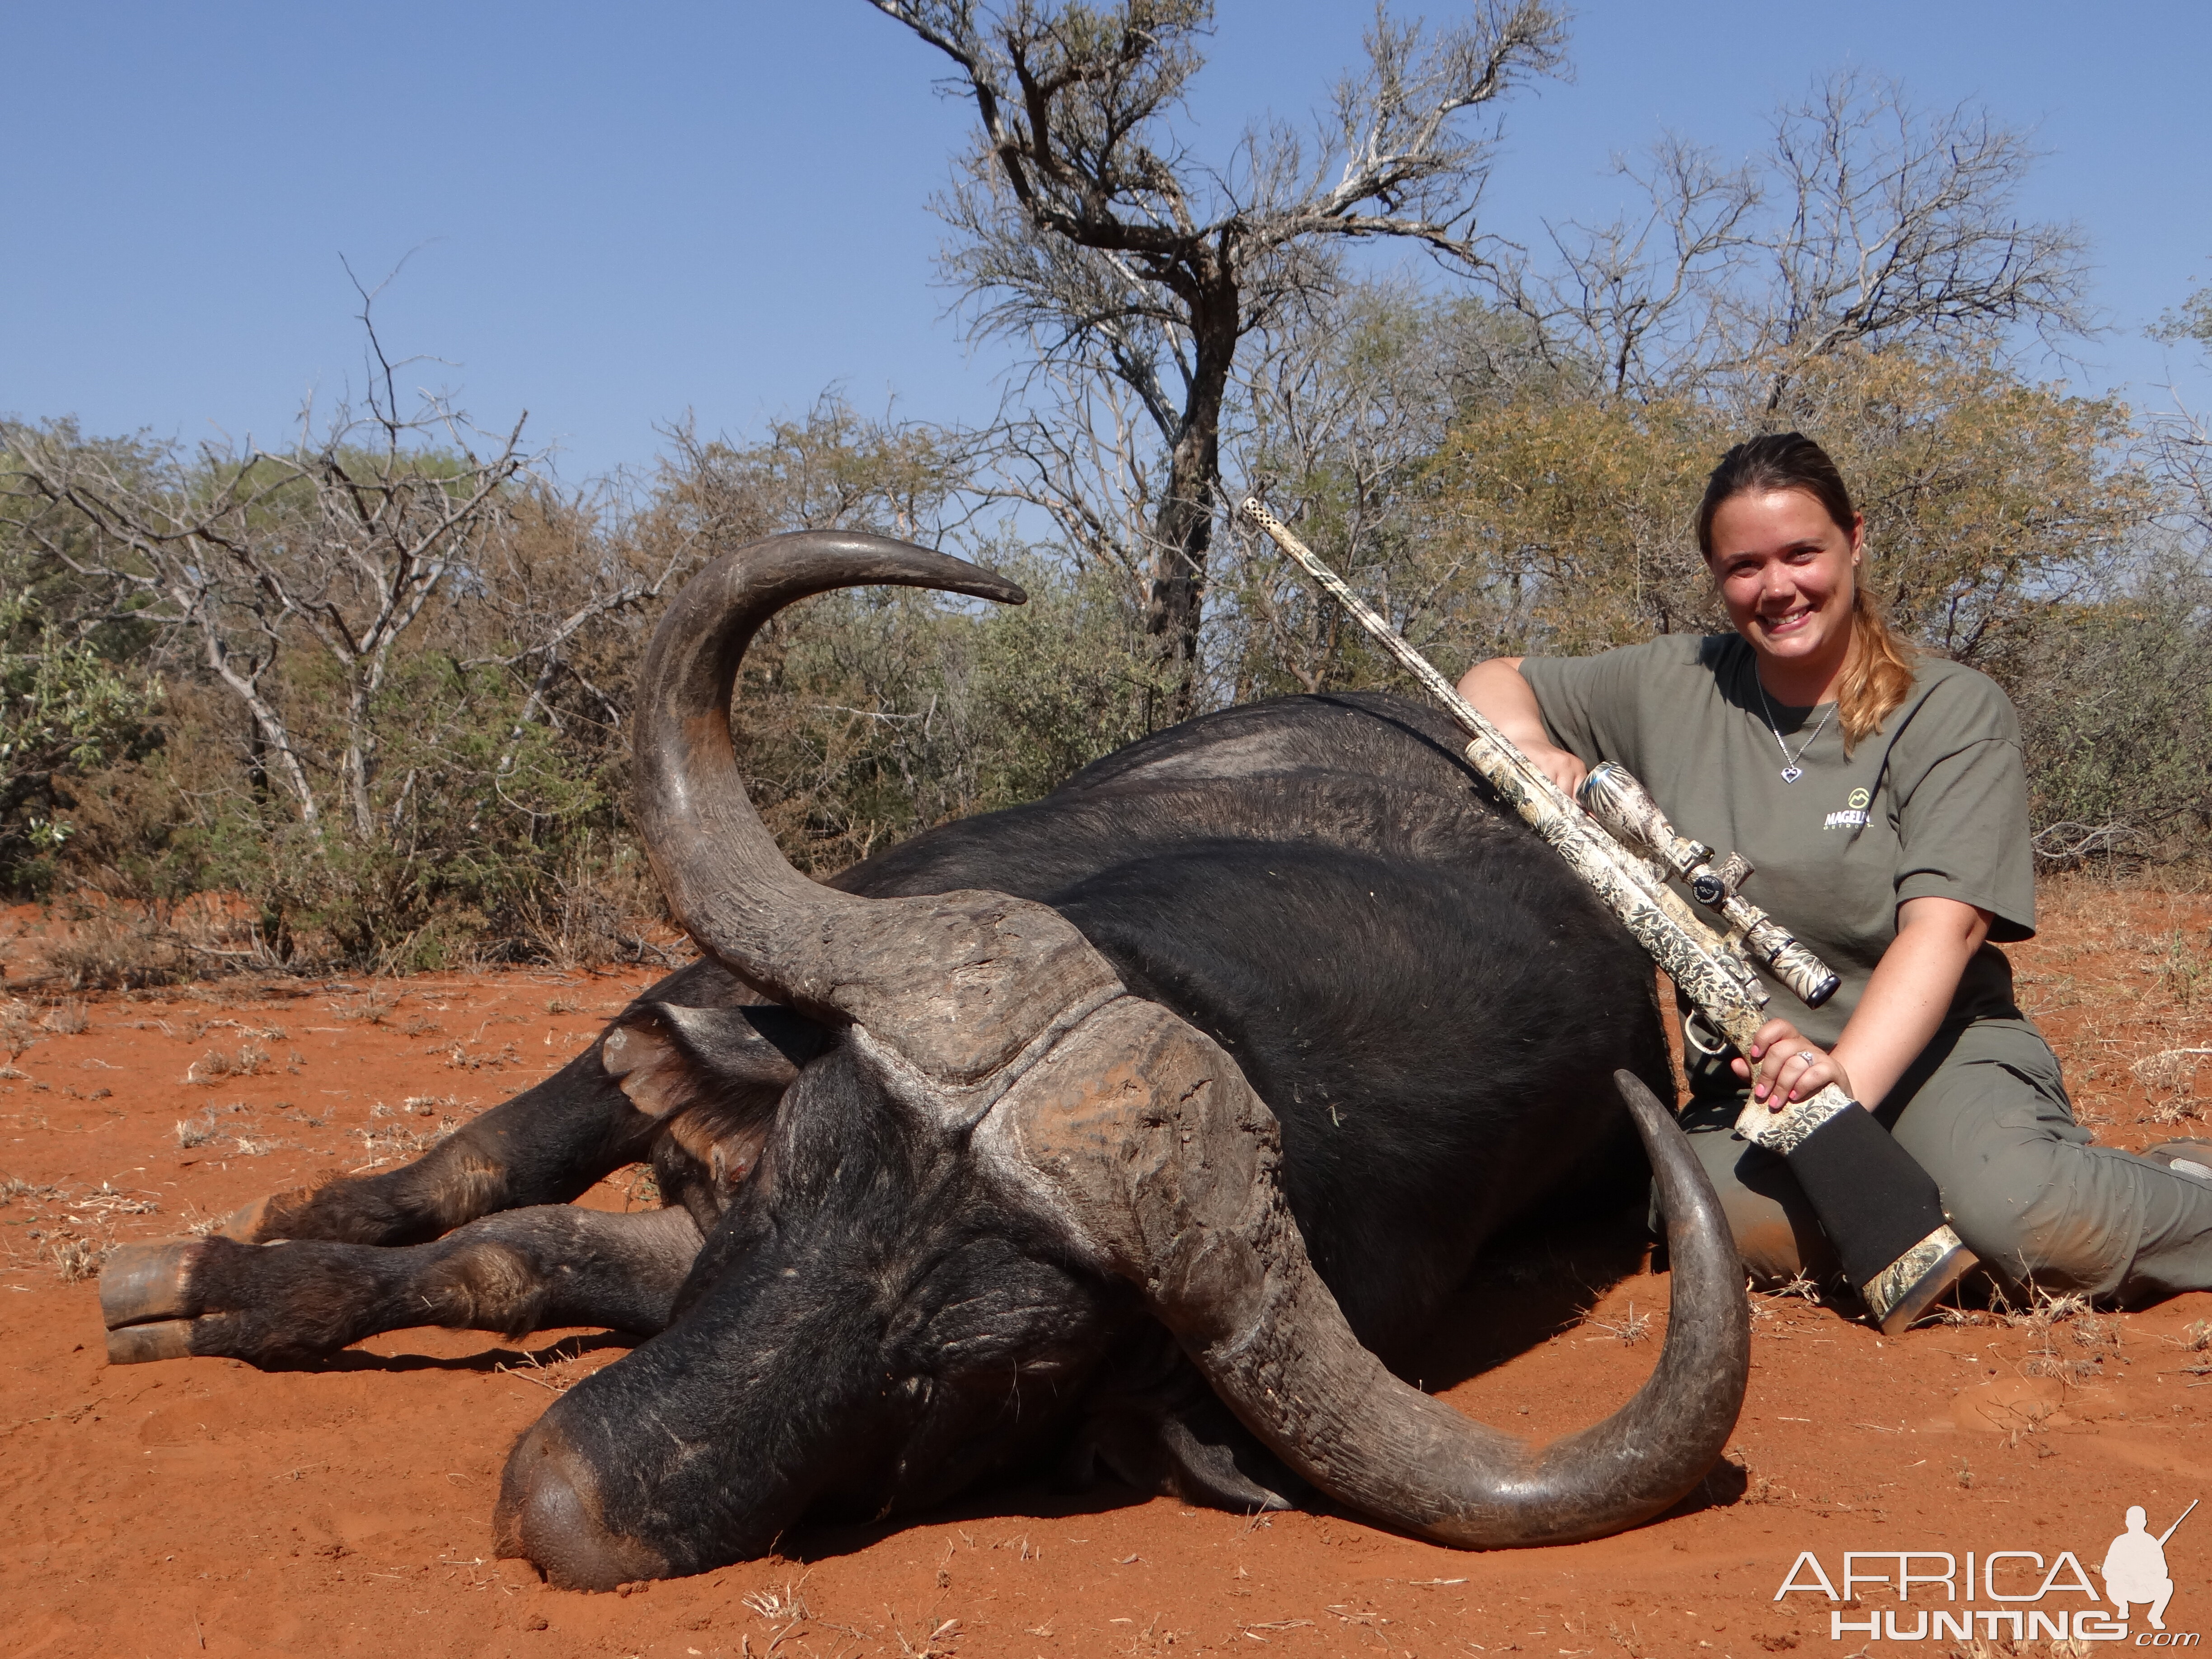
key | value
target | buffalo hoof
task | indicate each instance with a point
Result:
(142, 1283)
(548, 1516)
(134, 1345)
(147, 1301)
(244, 1224)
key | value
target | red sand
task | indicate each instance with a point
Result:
(200, 1506)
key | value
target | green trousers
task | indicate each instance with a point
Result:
(1984, 1111)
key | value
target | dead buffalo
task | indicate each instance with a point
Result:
(1125, 1126)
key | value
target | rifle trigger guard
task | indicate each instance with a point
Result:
(1702, 1037)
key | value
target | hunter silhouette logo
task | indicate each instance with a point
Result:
(2134, 1567)
(2030, 1594)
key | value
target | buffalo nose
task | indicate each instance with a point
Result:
(550, 1515)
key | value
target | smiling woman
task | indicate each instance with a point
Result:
(1883, 801)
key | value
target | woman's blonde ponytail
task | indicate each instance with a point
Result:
(1877, 675)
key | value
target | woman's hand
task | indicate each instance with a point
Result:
(1790, 1068)
(1557, 764)
(1504, 698)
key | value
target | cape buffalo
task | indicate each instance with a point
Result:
(1120, 1127)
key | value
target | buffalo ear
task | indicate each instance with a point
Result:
(666, 1058)
(1180, 1440)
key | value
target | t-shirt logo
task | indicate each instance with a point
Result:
(1853, 815)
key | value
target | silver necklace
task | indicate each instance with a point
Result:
(1791, 770)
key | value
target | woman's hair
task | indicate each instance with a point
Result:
(1878, 673)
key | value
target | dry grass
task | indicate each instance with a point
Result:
(2089, 1338)
(77, 1259)
(2121, 977)
(204, 1130)
(67, 1019)
(2170, 1072)
(1628, 1332)
(783, 1606)
(2182, 967)
(933, 1637)
(386, 1141)
(370, 1007)
(71, 1233)
(461, 1057)
(19, 1027)
(106, 1199)
(216, 1064)
(113, 951)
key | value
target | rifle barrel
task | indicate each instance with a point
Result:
(1693, 955)
(2176, 1526)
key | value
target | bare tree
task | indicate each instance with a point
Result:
(346, 537)
(1643, 303)
(574, 565)
(1085, 222)
(1867, 221)
(832, 469)
(1902, 225)
(1340, 421)
(1076, 449)
(2180, 437)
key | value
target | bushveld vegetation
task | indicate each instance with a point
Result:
(363, 699)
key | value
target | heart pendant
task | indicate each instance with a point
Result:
(1791, 774)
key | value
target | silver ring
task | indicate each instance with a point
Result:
(1808, 1053)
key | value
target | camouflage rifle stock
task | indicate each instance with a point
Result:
(1880, 1209)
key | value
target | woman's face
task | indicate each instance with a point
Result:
(1786, 574)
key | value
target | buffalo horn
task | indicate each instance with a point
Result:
(953, 983)
(1167, 1162)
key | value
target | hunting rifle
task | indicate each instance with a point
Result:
(1880, 1210)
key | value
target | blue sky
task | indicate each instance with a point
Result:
(613, 216)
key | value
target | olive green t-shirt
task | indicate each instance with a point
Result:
(1934, 803)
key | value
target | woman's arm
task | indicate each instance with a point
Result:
(1904, 1001)
(1506, 701)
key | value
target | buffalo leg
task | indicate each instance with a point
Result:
(546, 1146)
(275, 1304)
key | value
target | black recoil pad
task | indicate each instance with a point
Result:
(1853, 1172)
